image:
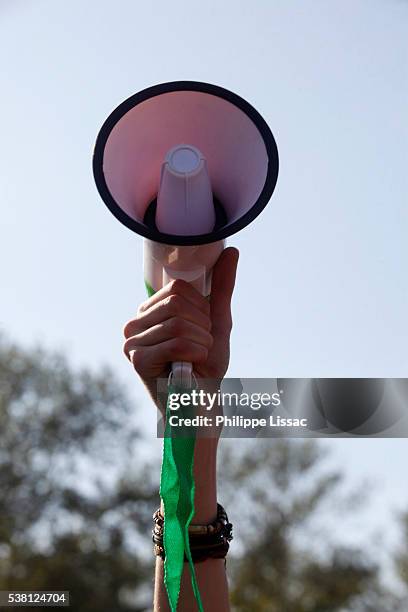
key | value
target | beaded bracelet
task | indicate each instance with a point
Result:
(206, 541)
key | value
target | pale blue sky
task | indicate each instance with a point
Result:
(322, 284)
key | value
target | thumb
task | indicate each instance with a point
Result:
(222, 287)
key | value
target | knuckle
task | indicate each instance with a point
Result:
(174, 303)
(127, 328)
(131, 328)
(177, 285)
(141, 308)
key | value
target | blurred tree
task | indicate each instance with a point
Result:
(401, 558)
(279, 489)
(77, 496)
(73, 510)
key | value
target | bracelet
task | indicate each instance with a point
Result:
(206, 541)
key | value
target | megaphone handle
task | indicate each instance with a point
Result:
(182, 371)
(182, 374)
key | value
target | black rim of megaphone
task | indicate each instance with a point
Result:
(150, 232)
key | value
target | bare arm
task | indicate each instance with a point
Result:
(178, 324)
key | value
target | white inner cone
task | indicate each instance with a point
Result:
(185, 201)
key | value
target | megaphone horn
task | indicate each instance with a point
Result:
(185, 165)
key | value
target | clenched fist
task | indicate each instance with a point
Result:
(178, 324)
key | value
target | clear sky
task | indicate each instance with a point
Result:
(322, 284)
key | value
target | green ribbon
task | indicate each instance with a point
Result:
(177, 493)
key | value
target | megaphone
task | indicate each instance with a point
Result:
(185, 165)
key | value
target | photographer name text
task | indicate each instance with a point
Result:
(235, 421)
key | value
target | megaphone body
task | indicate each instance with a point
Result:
(184, 205)
(185, 165)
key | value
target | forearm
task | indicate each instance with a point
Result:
(212, 582)
(211, 575)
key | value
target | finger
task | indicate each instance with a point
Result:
(171, 306)
(222, 287)
(172, 328)
(181, 288)
(176, 349)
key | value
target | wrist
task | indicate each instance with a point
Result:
(205, 477)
